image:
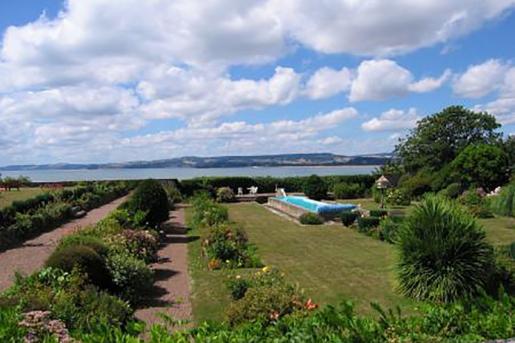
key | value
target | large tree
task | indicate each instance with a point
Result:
(439, 138)
(481, 165)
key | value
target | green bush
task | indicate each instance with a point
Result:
(173, 193)
(84, 240)
(311, 219)
(348, 218)
(416, 185)
(150, 197)
(225, 194)
(397, 197)
(268, 298)
(379, 213)
(348, 190)
(84, 258)
(131, 277)
(229, 246)
(367, 223)
(388, 229)
(452, 191)
(315, 188)
(238, 287)
(504, 203)
(443, 252)
(141, 244)
(206, 212)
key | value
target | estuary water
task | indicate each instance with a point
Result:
(182, 173)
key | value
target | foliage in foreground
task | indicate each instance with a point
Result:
(311, 219)
(443, 254)
(484, 319)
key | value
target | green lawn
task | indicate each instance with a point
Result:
(329, 262)
(6, 198)
(499, 230)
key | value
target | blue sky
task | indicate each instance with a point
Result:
(101, 80)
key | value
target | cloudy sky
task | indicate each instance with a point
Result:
(118, 80)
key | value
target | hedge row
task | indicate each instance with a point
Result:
(28, 218)
(267, 184)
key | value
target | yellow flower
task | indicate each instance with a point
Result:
(265, 269)
(238, 277)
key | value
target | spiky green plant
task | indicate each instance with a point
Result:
(443, 254)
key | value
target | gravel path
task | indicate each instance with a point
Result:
(172, 287)
(31, 255)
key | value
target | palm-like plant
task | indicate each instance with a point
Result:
(443, 252)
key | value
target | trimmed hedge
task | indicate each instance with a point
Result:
(348, 218)
(28, 218)
(311, 219)
(266, 184)
(367, 223)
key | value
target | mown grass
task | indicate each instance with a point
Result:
(7, 197)
(330, 262)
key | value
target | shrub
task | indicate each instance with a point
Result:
(348, 218)
(452, 191)
(238, 287)
(267, 299)
(151, 198)
(311, 219)
(173, 193)
(142, 244)
(398, 197)
(379, 213)
(206, 212)
(84, 240)
(443, 252)
(225, 194)
(367, 223)
(388, 229)
(348, 190)
(132, 278)
(84, 258)
(315, 188)
(228, 246)
(504, 203)
(416, 185)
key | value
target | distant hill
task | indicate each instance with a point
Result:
(322, 159)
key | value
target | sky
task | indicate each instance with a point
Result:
(122, 80)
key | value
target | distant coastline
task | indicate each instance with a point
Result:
(259, 161)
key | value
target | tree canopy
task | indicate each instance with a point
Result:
(481, 165)
(438, 139)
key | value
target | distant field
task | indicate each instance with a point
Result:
(6, 198)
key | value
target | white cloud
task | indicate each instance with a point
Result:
(480, 79)
(382, 79)
(429, 84)
(504, 106)
(393, 119)
(102, 69)
(326, 82)
(383, 27)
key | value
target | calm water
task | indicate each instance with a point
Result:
(183, 173)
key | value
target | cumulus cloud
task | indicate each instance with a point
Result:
(503, 107)
(393, 119)
(480, 79)
(327, 82)
(383, 27)
(102, 69)
(382, 79)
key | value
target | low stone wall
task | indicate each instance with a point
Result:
(289, 209)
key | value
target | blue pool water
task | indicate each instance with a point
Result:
(316, 206)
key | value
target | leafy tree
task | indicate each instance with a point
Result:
(481, 165)
(439, 138)
(315, 188)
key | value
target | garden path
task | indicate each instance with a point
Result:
(31, 255)
(171, 293)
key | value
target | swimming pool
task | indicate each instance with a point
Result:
(316, 206)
